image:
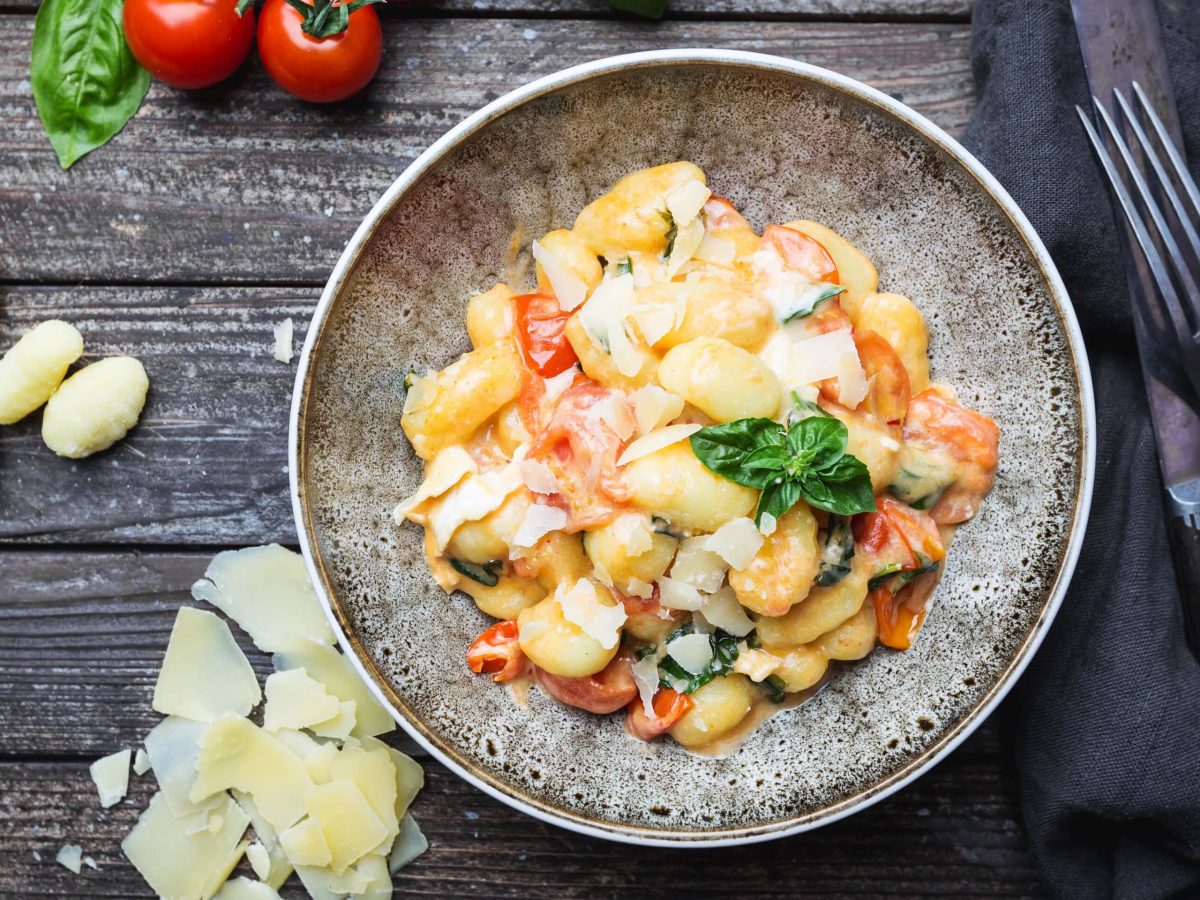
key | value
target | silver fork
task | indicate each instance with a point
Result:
(1180, 295)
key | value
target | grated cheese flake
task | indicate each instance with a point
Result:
(674, 594)
(141, 762)
(282, 348)
(633, 533)
(242, 888)
(716, 250)
(538, 477)
(267, 591)
(614, 411)
(645, 676)
(581, 606)
(559, 383)
(657, 440)
(687, 241)
(539, 521)
(603, 319)
(767, 524)
(638, 588)
(698, 566)
(70, 856)
(338, 675)
(340, 725)
(350, 827)
(409, 845)
(294, 700)
(692, 651)
(110, 774)
(173, 746)
(756, 664)
(736, 542)
(569, 288)
(656, 320)
(204, 674)
(654, 407)
(685, 202)
(723, 610)
(448, 468)
(260, 860)
(472, 499)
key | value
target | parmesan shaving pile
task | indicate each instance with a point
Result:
(325, 798)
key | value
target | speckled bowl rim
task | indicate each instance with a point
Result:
(450, 142)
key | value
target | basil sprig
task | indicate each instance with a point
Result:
(85, 81)
(806, 461)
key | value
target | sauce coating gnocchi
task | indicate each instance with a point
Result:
(693, 464)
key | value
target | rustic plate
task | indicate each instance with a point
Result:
(783, 140)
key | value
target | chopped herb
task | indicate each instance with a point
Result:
(837, 553)
(410, 378)
(900, 577)
(625, 266)
(775, 687)
(807, 304)
(488, 574)
(880, 578)
(675, 677)
(672, 232)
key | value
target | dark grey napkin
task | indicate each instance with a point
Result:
(1106, 722)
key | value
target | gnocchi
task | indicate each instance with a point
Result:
(695, 466)
(95, 407)
(33, 368)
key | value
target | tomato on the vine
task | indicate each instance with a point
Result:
(326, 53)
(188, 43)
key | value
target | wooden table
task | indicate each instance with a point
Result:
(212, 217)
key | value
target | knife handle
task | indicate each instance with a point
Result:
(1184, 534)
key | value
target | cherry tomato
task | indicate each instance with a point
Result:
(720, 213)
(497, 652)
(941, 426)
(669, 707)
(802, 253)
(606, 691)
(540, 324)
(188, 43)
(896, 534)
(321, 70)
(889, 392)
(899, 616)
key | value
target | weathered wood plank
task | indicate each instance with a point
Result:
(953, 833)
(84, 634)
(243, 184)
(873, 10)
(207, 463)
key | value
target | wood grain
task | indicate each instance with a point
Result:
(85, 633)
(207, 463)
(243, 184)
(860, 10)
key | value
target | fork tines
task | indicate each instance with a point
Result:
(1171, 248)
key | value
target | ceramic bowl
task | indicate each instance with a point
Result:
(783, 140)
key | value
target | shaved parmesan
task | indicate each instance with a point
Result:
(717, 250)
(633, 532)
(471, 500)
(141, 762)
(420, 393)
(538, 477)
(581, 606)
(259, 859)
(267, 591)
(692, 651)
(767, 524)
(70, 856)
(282, 348)
(823, 356)
(235, 753)
(350, 827)
(204, 674)
(177, 864)
(352, 881)
(638, 588)
(678, 594)
(852, 380)
(448, 468)
(334, 671)
(685, 202)
(603, 318)
(654, 407)
(723, 610)
(409, 845)
(657, 440)
(173, 746)
(656, 320)
(756, 664)
(296, 701)
(613, 410)
(645, 676)
(687, 242)
(538, 522)
(111, 776)
(698, 566)
(410, 777)
(374, 773)
(280, 867)
(568, 287)
(338, 726)
(305, 844)
(242, 888)
(736, 542)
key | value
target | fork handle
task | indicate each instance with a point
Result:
(1184, 534)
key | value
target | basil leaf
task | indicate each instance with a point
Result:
(806, 306)
(849, 485)
(724, 448)
(85, 81)
(649, 9)
(818, 441)
(771, 457)
(776, 499)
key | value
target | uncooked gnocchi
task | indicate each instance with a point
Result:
(34, 367)
(693, 466)
(95, 407)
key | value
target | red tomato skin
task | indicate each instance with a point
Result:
(320, 70)
(188, 43)
(498, 653)
(540, 326)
